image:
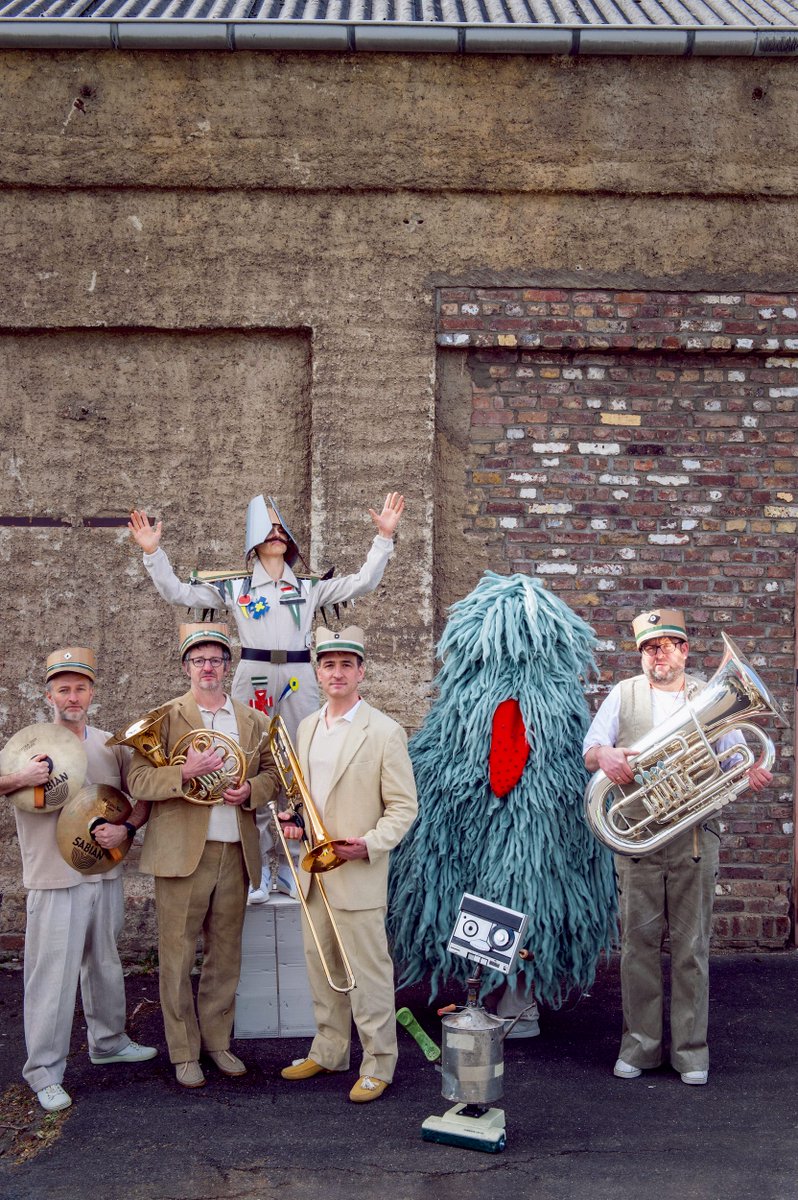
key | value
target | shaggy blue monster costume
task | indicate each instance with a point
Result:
(529, 849)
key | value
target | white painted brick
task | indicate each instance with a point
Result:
(712, 299)
(776, 393)
(669, 480)
(620, 494)
(556, 569)
(668, 539)
(515, 435)
(551, 447)
(471, 310)
(522, 477)
(791, 343)
(712, 406)
(767, 313)
(596, 372)
(750, 422)
(594, 404)
(554, 507)
(627, 552)
(550, 462)
(572, 373)
(599, 523)
(599, 448)
(605, 569)
(790, 312)
(528, 493)
(736, 376)
(691, 464)
(623, 480)
(781, 362)
(509, 522)
(744, 343)
(607, 585)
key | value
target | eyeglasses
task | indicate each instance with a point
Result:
(665, 643)
(201, 662)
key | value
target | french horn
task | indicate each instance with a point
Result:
(679, 776)
(146, 736)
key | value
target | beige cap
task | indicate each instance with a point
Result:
(203, 631)
(344, 641)
(79, 659)
(660, 622)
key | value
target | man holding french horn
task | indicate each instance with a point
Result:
(673, 884)
(204, 762)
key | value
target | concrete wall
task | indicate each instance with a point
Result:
(220, 274)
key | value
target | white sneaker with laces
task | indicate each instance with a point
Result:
(131, 1053)
(53, 1098)
(625, 1070)
(696, 1078)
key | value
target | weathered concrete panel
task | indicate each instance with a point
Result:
(317, 121)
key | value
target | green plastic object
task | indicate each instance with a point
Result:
(406, 1019)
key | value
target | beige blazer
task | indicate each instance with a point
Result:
(176, 831)
(373, 796)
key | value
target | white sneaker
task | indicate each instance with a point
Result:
(131, 1053)
(625, 1070)
(53, 1098)
(696, 1078)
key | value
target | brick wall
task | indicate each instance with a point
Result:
(633, 448)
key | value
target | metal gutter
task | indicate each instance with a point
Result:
(340, 37)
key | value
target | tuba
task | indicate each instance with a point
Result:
(679, 780)
(146, 736)
(320, 854)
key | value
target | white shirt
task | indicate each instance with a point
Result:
(222, 818)
(325, 747)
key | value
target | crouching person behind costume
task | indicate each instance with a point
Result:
(354, 761)
(73, 920)
(203, 855)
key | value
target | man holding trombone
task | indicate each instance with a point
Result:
(673, 885)
(355, 764)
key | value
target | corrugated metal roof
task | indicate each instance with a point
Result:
(735, 14)
(686, 28)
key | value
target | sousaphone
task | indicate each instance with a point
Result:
(92, 806)
(66, 760)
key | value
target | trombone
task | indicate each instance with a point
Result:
(319, 855)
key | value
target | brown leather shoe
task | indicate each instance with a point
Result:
(227, 1062)
(189, 1074)
(303, 1068)
(367, 1088)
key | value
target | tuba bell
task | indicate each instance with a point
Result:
(146, 736)
(679, 780)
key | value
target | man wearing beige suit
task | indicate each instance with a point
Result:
(354, 760)
(202, 855)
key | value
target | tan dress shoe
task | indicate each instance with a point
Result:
(189, 1074)
(227, 1062)
(303, 1068)
(367, 1088)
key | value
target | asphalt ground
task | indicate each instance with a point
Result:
(573, 1130)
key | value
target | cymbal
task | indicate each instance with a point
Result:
(67, 773)
(73, 831)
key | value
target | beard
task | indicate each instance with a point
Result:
(662, 673)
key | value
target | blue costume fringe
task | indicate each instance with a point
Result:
(530, 850)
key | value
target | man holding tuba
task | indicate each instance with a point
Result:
(355, 763)
(675, 884)
(201, 845)
(73, 920)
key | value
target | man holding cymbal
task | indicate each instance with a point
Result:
(73, 920)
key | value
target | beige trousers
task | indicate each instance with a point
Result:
(667, 888)
(371, 1003)
(210, 902)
